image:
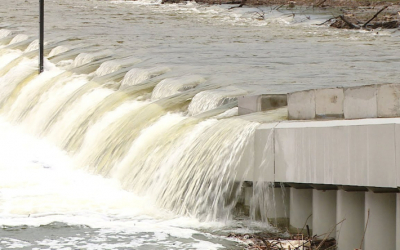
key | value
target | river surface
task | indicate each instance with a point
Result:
(83, 168)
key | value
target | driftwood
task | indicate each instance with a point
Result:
(348, 21)
(377, 13)
(350, 24)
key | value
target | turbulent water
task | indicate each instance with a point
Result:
(130, 138)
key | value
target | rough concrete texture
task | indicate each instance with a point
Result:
(389, 100)
(329, 103)
(360, 102)
(257, 103)
(301, 105)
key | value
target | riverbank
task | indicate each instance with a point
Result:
(353, 14)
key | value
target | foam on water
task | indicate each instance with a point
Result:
(211, 99)
(41, 190)
(58, 50)
(5, 32)
(19, 38)
(137, 75)
(172, 86)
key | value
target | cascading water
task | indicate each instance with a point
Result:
(121, 128)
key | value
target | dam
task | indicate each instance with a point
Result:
(336, 158)
(170, 126)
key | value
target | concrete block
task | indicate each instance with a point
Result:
(336, 152)
(324, 213)
(350, 208)
(381, 230)
(360, 102)
(300, 209)
(301, 105)
(264, 153)
(329, 103)
(388, 100)
(257, 103)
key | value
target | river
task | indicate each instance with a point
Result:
(125, 155)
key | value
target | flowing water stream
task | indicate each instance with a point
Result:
(130, 138)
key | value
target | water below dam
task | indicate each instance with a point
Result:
(131, 138)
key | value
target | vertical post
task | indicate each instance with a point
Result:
(41, 35)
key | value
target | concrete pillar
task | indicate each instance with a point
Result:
(349, 206)
(397, 221)
(324, 213)
(278, 207)
(381, 229)
(300, 209)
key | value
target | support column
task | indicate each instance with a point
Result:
(381, 229)
(349, 206)
(324, 213)
(300, 209)
(397, 221)
(278, 207)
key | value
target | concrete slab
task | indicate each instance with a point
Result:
(360, 102)
(301, 105)
(341, 155)
(329, 103)
(388, 100)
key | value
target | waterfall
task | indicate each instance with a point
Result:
(177, 139)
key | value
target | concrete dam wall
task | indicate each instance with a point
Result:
(336, 159)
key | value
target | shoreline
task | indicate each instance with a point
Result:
(368, 15)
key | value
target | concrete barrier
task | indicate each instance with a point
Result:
(329, 103)
(360, 102)
(301, 105)
(388, 97)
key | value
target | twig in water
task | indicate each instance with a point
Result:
(327, 235)
(377, 13)
(330, 19)
(365, 230)
(353, 26)
(305, 223)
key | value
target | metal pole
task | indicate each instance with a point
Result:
(41, 35)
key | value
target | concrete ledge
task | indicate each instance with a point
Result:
(326, 154)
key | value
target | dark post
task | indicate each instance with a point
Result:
(41, 35)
